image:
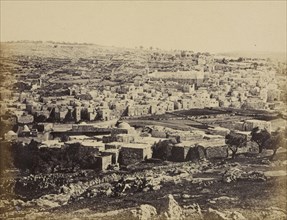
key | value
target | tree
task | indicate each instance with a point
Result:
(40, 118)
(260, 137)
(276, 141)
(240, 59)
(266, 140)
(235, 141)
(255, 65)
(183, 53)
(224, 61)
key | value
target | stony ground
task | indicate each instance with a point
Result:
(248, 187)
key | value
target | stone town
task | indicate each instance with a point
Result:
(112, 109)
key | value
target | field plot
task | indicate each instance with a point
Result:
(179, 124)
(205, 111)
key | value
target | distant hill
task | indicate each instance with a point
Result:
(84, 50)
(54, 49)
(279, 56)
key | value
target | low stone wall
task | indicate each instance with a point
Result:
(195, 153)
(216, 152)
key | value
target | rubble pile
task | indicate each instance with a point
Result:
(237, 174)
(134, 184)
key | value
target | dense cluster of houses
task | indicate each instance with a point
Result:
(38, 102)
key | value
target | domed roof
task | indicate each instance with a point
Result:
(10, 133)
(124, 125)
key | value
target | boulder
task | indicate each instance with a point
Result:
(109, 192)
(170, 209)
(193, 212)
(223, 215)
(185, 196)
(144, 212)
(215, 215)
(237, 216)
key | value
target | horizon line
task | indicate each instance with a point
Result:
(138, 47)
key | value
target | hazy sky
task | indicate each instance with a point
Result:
(215, 26)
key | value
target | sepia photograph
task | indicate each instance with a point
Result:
(143, 110)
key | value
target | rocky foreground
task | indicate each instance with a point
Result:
(244, 188)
